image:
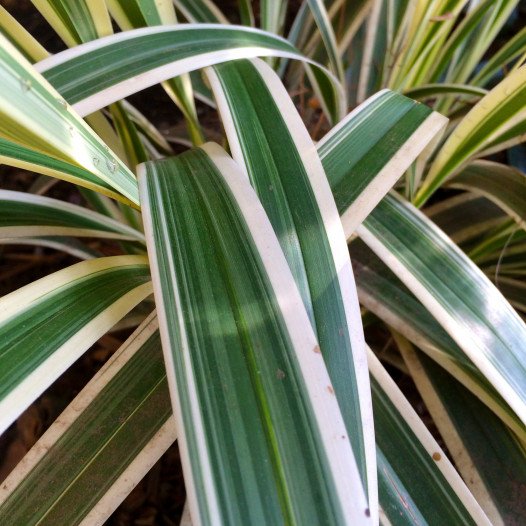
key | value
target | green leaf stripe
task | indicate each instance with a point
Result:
(280, 160)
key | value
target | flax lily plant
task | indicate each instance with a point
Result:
(251, 352)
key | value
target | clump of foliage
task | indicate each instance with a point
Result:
(251, 350)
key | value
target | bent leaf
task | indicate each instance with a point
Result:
(98, 73)
(36, 117)
(41, 334)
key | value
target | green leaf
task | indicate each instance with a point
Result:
(455, 291)
(502, 184)
(133, 14)
(487, 120)
(384, 295)
(432, 91)
(449, 285)
(319, 13)
(417, 483)
(279, 158)
(96, 74)
(512, 48)
(269, 445)
(41, 334)
(13, 154)
(34, 116)
(21, 38)
(487, 454)
(76, 21)
(201, 11)
(27, 215)
(368, 151)
(101, 446)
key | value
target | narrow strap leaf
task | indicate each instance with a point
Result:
(201, 11)
(76, 21)
(482, 124)
(412, 246)
(384, 295)
(41, 334)
(502, 184)
(269, 445)
(280, 160)
(482, 447)
(96, 74)
(101, 446)
(25, 215)
(36, 117)
(417, 481)
(368, 151)
(431, 266)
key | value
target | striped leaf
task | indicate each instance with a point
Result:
(44, 328)
(262, 436)
(502, 184)
(35, 117)
(321, 17)
(432, 91)
(92, 428)
(279, 158)
(21, 38)
(76, 21)
(133, 14)
(27, 215)
(432, 267)
(368, 151)
(455, 291)
(101, 446)
(13, 154)
(96, 74)
(201, 11)
(466, 217)
(483, 124)
(512, 49)
(487, 454)
(384, 295)
(417, 483)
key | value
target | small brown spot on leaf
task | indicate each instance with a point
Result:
(317, 349)
(330, 389)
(437, 456)
(442, 18)
(280, 374)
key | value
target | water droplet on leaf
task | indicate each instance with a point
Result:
(111, 164)
(25, 84)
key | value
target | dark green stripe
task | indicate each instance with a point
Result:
(493, 448)
(280, 179)
(35, 333)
